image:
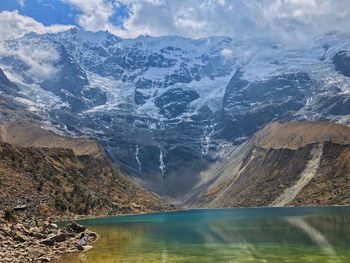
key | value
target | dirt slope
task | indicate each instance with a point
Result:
(25, 134)
(284, 164)
(299, 134)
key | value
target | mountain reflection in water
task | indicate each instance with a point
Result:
(223, 235)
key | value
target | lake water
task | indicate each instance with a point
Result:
(318, 234)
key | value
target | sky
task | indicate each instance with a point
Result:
(288, 21)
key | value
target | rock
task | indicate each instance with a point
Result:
(38, 235)
(60, 237)
(48, 242)
(19, 238)
(21, 243)
(70, 235)
(84, 248)
(92, 236)
(52, 239)
(20, 208)
(4, 232)
(50, 226)
(36, 253)
(74, 227)
(43, 259)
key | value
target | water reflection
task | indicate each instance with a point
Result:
(315, 236)
(266, 235)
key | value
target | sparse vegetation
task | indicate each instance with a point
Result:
(9, 216)
(66, 183)
(40, 186)
(60, 204)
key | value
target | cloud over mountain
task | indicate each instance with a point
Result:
(14, 25)
(284, 20)
(289, 21)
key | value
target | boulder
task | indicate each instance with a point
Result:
(60, 237)
(74, 227)
(92, 236)
(20, 208)
(48, 226)
(48, 242)
(38, 235)
(19, 238)
(43, 259)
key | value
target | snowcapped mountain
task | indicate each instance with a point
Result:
(165, 107)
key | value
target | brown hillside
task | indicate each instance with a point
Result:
(64, 176)
(297, 135)
(284, 164)
(24, 134)
(55, 181)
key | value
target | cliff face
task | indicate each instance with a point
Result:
(284, 164)
(330, 185)
(75, 177)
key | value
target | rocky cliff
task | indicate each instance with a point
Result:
(283, 164)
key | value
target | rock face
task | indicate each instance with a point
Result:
(241, 117)
(284, 164)
(6, 86)
(164, 108)
(341, 62)
(76, 179)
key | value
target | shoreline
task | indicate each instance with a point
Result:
(92, 217)
(34, 240)
(84, 217)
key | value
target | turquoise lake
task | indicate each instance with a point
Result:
(306, 234)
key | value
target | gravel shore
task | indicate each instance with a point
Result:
(24, 240)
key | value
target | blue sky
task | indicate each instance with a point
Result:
(51, 12)
(288, 21)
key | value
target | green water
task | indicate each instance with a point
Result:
(223, 235)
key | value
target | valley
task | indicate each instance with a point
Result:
(180, 117)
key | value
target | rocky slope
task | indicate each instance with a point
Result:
(284, 164)
(53, 175)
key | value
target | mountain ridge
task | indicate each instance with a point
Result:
(271, 175)
(165, 108)
(297, 135)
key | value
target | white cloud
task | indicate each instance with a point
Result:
(40, 60)
(95, 13)
(285, 20)
(290, 21)
(21, 2)
(14, 25)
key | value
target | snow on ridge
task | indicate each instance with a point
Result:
(258, 59)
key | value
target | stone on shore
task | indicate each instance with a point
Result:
(21, 242)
